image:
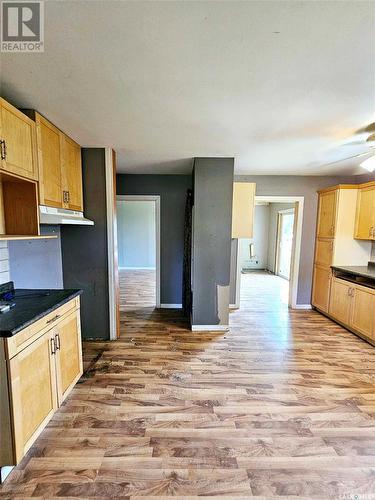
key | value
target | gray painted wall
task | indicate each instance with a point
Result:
(306, 186)
(172, 191)
(37, 263)
(272, 232)
(212, 225)
(84, 249)
(136, 234)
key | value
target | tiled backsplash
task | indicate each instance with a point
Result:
(4, 262)
(373, 251)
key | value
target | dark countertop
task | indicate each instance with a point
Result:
(32, 305)
(363, 271)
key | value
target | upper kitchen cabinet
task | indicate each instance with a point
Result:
(365, 217)
(17, 136)
(327, 214)
(71, 174)
(243, 209)
(60, 168)
(49, 161)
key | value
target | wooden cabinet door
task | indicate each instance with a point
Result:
(243, 209)
(365, 220)
(68, 354)
(324, 252)
(18, 132)
(49, 160)
(321, 287)
(32, 379)
(341, 300)
(71, 174)
(363, 312)
(327, 214)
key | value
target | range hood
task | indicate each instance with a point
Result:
(50, 215)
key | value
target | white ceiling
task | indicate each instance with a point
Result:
(278, 85)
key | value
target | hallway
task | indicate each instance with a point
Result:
(263, 292)
(283, 404)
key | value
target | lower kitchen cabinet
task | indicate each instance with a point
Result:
(363, 314)
(32, 377)
(340, 302)
(45, 362)
(354, 306)
(68, 354)
(321, 287)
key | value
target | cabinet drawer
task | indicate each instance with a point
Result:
(31, 333)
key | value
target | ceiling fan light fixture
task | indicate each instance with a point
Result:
(369, 164)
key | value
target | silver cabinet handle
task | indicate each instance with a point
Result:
(53, 347)
(3, 150)
(53, 319)
(57, 342)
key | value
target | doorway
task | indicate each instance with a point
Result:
(285, 226)
(268, 264)
(138, 236)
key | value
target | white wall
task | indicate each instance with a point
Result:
(4, 262)
(136, 234)
(260, 241)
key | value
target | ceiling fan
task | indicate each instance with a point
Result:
(363, 137)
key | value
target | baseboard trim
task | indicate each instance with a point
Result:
(302, 306)
(209, 328)
(170, 306)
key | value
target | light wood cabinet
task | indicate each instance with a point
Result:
(365, 216)
(363, 312)
(334, 243)
(321, 287)
(32, 375)
(60, 166)
(71, 174)
(68, 354)
(327, 214)
(49, 161)
(17, 147)
(44, 362)
(340, 302)
(324, 252)
(354, 306)
(243, 209)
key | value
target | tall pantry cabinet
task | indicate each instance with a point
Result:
(335, 244)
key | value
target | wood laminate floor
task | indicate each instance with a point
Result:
(137, 288)
(283, 405)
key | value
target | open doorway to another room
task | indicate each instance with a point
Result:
(264, 273)
(138, 228)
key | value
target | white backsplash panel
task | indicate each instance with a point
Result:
(4, 262)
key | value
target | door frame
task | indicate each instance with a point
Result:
(296, 248)
(156, 199)
(280, 213)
